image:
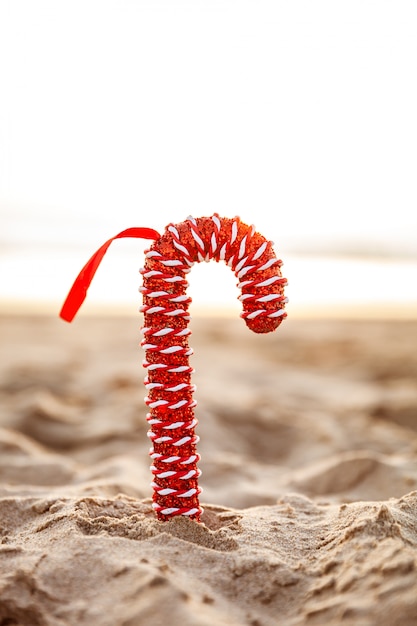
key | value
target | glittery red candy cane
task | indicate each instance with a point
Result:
(165, 307)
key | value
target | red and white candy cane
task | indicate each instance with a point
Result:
(165, 307)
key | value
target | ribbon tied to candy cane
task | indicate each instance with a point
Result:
(165, 335)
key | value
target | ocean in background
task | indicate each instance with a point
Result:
(37, 276)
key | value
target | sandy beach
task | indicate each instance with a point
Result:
(309, 477)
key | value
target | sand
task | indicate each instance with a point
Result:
(309, 448)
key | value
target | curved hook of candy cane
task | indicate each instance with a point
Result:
(78, 291)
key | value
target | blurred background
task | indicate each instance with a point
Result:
(300, 117)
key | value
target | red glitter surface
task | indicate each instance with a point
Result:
(209, 242)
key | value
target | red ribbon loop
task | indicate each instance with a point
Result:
(78, 291)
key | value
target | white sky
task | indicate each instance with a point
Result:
(299, 116)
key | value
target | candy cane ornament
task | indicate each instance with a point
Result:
(165, 335)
